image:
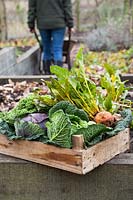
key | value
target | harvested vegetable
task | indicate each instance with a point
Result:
(37, 118)
(59, 129)
(93, 133)
(64, 121)
(105, 118)
(125, 122)
(25, 106)
(78, 88)
(69, 109)
(28, 130)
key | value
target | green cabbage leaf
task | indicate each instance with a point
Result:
(59, 129)
(69, 109)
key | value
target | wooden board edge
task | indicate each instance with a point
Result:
(61, 158)
(19, 78)
(56, 165)
(105, 150)
(127, 77)
(122, 159)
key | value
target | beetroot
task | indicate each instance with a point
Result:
(105, 118)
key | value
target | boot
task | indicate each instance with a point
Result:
(59, 63)
(46, 66)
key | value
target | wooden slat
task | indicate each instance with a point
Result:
(9, 159)
(105, 150)
(122, 159)
(127, 77)
(28, 78)
(65, 159)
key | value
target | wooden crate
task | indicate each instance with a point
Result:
(72, 160)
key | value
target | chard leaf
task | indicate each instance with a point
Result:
(119, 90)
(59, 129)
(57, 89)
(108, 102)
(110, 69)
(105, 83)
(61, 73)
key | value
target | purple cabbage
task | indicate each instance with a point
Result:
(37, 118)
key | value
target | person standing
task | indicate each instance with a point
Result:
(52, 17)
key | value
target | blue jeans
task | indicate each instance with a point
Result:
(52, 40)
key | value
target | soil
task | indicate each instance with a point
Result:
(12, 92)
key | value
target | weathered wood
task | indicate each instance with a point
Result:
(31, 181)
(122, 159)
(4, 159)
(79, 162)
(127, 77)
(25, 64)
(4, 78)
(105, 150)
(28, 78)
(77, 142)
(38, 152)
(8, 58)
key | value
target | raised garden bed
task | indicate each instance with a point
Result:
(27, 63)
(127, 77)
(12, 90)
(115, 175)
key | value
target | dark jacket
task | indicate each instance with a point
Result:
(50, 14)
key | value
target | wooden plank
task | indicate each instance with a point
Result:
(122, 159)
(35, 182)
(4, 159)
(105, 150)
(127, 77)
(29, 78)
(65, 159)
